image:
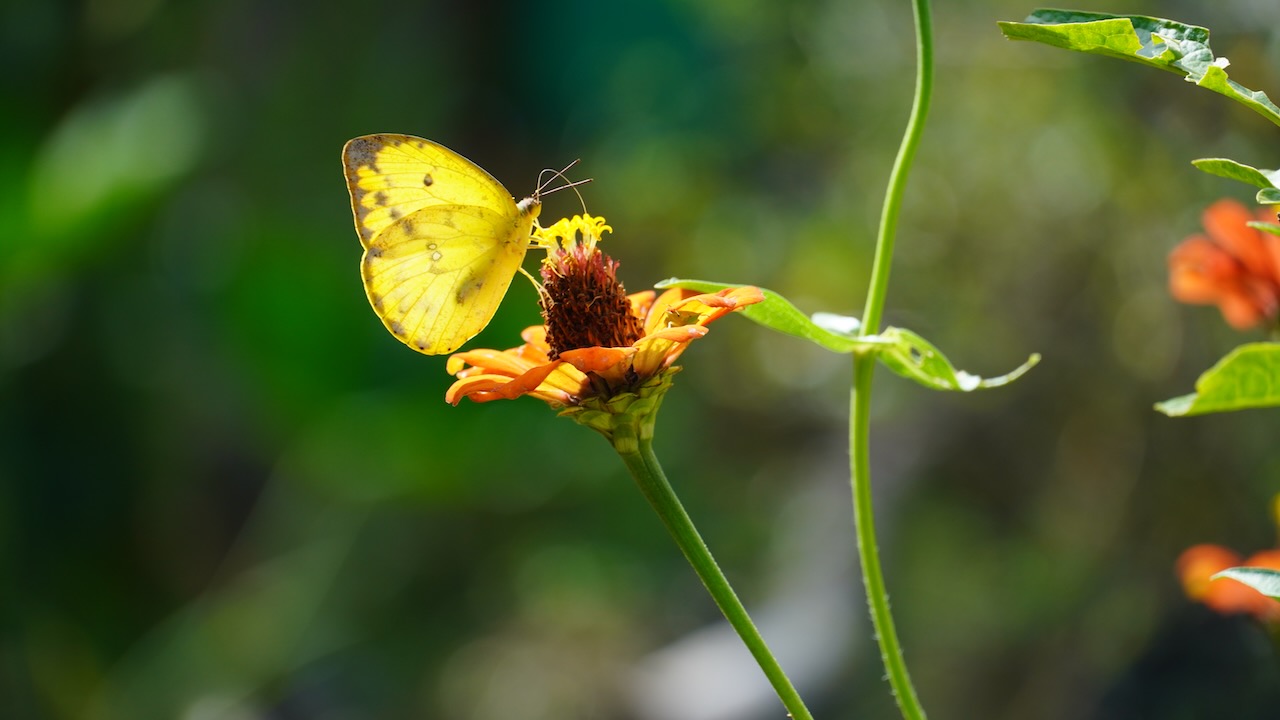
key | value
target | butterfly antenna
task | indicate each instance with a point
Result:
(543, 189)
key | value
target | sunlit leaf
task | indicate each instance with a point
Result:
(1263, 580)
(1248, 377)
(902, 351)
(1165, 44)
(837, 333)
(1269, 196)
(1232, 170)
(911, 356)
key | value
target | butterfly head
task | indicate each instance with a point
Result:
(530, 206)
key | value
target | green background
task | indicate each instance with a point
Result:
(227, 492)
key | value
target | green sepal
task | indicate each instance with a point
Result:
(625, 419)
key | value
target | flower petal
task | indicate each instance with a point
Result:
(1199, 563)
(597, 359)
(1227, 223)
(548, 382)
(661, 349)
(506, 363)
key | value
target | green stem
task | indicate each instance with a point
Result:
(864, 369)
(653, 484)
(879, 287)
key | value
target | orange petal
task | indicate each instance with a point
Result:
(483, 388)
(1269, 559)
(1227, 223)
(1240, 310)
(596, 359)
(641, 302)
(491, 360)
(612, 364)
(1199, 271)
(660, 350)
(1199, 563)
(657, 315)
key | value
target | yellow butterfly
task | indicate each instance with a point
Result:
(442, 239)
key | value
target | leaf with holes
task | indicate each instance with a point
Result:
(913, 357)
(1156, 42)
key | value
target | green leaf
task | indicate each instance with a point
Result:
(1269, 196)
(902, 351)
(1232, 170)
(1264, 227)
(1159, 43)
(913, 357)
(1248, 377)
(837, 333)
(1263, 580)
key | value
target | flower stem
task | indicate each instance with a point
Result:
(864, 369)
(648, 474)
(879, 287)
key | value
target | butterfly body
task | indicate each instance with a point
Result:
(442, 238)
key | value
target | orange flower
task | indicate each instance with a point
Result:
(1236, 267)
(1199, 563)
(597, 342)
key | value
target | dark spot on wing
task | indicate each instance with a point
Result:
(396, 328)
(421, 344)
(375, 252)
(380, 198)
(468, 288)
(360, 152)
(376, 302)
(427, 180)
(395, 214)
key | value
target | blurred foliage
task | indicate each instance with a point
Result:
(226, 492)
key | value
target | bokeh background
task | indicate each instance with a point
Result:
(227, 492)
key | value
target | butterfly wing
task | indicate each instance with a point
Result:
(437, 275)
(392, 176)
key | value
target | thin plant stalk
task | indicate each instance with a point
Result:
(653, 484)
(864, 369)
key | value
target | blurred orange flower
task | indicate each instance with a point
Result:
(1199, 563)
(597, 342)
(1235, 267)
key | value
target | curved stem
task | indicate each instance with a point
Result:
(864, 369)
(879, 287)
(653, 484)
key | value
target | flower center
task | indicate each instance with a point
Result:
(583, 302)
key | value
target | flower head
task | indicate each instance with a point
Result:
(1235, 267)
(600, 349)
